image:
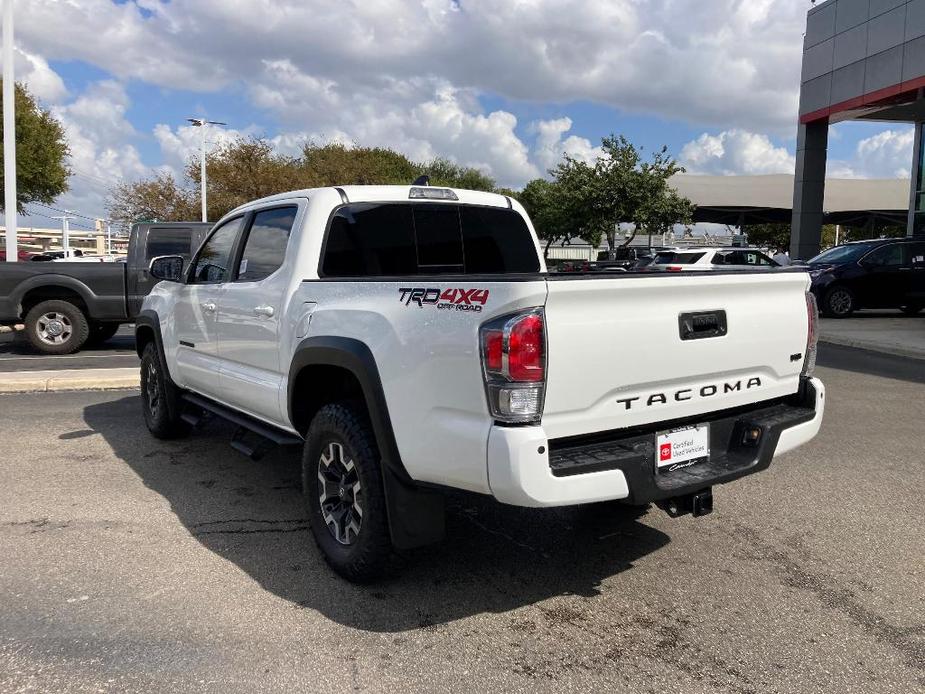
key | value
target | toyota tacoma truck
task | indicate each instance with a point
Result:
(410, 341)
(65, 305)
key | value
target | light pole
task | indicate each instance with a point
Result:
(9, 134)
(65, 232)
(202, 123)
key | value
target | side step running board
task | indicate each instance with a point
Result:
(267, 436)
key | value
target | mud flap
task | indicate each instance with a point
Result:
(417, 516)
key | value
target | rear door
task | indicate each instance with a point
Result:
(249, 315)
(621, 353)
(196, 310)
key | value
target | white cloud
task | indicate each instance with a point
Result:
(178, 145)
(724, 62)
(736, 152)
(551, 146)
(33, 70)
(424, 118)
(887, 154)
(97, 132)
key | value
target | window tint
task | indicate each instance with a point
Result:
(266, 243)
(439, 238)
(497, 241)
(214, 258)
(673, 258)
(168, 242)
(369, 240)
(842, 254)
(885, 256)
(752, 258)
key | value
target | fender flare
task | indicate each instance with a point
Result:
(356, 357)
(149, 320)
(416, 514)
(53, 280)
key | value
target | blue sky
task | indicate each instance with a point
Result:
(506, 87)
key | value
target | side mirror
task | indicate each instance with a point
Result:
(167, 267)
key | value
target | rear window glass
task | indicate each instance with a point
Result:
(168, 242)
(673, 258)
(386, 239)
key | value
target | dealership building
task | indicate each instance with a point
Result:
(862, 60)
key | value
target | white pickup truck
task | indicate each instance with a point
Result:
(410, 340)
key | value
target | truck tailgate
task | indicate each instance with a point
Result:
(617, 359)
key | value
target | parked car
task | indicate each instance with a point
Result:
(877, 273)
(696, 259)
(410, 341)
(624, 257)
(65, 304)
(20, 255)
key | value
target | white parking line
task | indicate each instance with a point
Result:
(73, 356)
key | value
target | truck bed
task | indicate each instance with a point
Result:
(100, 286)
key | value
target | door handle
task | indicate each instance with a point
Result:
(208, 306)
(266, 311)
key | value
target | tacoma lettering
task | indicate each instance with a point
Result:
(685, 394)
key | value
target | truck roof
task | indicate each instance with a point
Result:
(386, 194)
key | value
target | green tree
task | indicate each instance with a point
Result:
(248, 168)
(158, 198)
(541, 199)
(41, 152)
(621, 188)
(769, 235)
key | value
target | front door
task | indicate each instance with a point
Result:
(250, 314)
(917, 274)
(886, 282)
(196, 311)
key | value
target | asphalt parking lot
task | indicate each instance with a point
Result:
(119, 351)
(130, 564)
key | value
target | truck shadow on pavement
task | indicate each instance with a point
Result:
(494, 559)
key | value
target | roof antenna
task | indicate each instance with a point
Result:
(423, 180)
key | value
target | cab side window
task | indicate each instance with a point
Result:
(887, 256)
(265, 248)
(168, 241)
(214, 258)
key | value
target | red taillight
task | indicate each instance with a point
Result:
(514, 366)
(674, 268)
(525, 349)
(493, 343)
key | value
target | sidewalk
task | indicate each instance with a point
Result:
(890, 332)
(68, 379)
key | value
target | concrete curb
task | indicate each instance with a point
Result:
(68, 380)
(874, 346)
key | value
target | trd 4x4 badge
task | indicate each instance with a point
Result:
(449, 299)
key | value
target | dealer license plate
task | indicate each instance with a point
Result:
(681, 448)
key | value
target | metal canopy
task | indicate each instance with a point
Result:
(744, 200)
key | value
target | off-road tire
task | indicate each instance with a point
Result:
(48, 317)
(342, 434)
(160, 397)
(839, 302)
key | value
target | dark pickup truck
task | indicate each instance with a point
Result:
(67, 304)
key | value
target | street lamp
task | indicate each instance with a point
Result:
(202, 123)
(9, 134)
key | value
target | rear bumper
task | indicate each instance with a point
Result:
(526, 469)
